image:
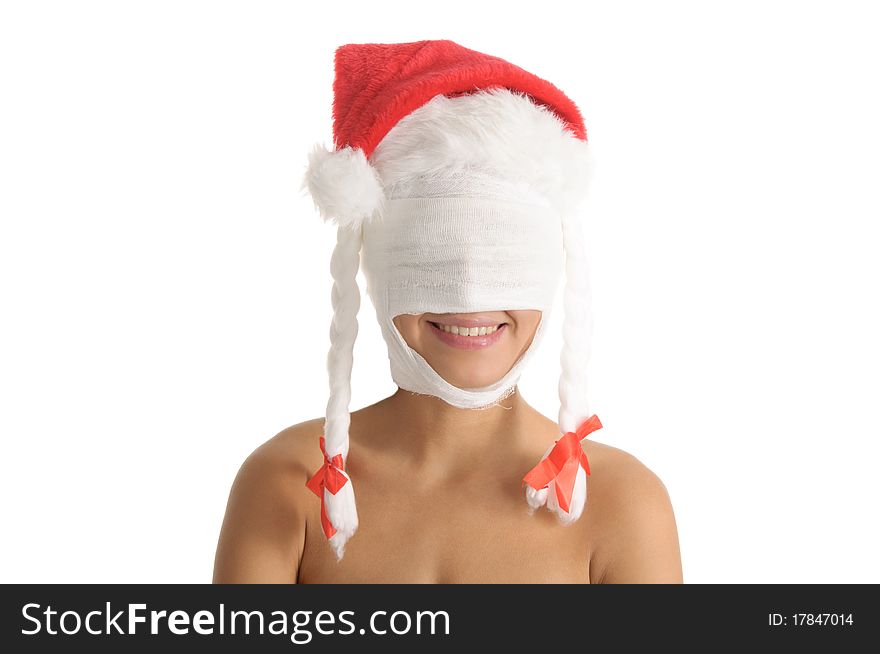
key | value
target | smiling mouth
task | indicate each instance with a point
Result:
(462, 330)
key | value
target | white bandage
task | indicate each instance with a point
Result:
(467, 242)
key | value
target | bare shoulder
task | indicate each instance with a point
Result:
(636, 536)
(263, 532)
(293, 449)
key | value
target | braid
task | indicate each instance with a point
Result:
(573, 389)
(576, 330)
(345, 298)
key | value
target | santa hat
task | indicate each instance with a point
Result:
(404, 113)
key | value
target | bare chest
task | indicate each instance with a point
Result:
(479, 532)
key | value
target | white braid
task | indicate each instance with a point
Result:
(577, 330)
(573, 388)
(346, 300)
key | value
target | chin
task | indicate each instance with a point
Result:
(471, 380)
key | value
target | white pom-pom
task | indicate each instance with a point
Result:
(344, 186)
(342, 512)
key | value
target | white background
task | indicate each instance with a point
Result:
(165, 289)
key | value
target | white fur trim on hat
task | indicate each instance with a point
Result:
(498, 131)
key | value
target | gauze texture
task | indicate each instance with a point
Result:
(461, 243)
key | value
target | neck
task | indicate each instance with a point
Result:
(441, 433)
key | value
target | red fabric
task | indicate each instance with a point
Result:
(562, 463)
(377, 84)
(328, 476)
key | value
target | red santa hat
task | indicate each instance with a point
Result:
(378, 84)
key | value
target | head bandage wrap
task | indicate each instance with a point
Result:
(438, 251)
(464, 202)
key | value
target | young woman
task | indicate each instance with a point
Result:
(454, 183)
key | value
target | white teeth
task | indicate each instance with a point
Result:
(469, 331)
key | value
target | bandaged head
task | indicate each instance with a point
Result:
(454, 183)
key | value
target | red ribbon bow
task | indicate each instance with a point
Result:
(328, 476)
(562, 463)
